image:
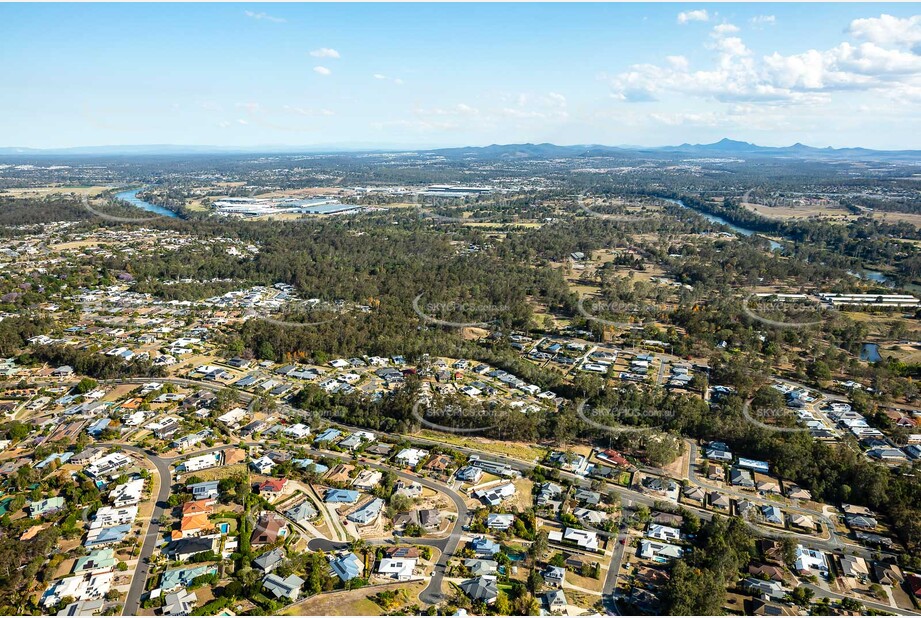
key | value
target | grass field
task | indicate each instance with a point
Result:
(832, 211)
(35, 191)
(519, 450)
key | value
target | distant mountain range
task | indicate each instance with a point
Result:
(723, 148)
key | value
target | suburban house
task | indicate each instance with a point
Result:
(183, 549)
(347, 566)
(469, 474)
(179, 603)
(46, 506)
(481, 588)
(263, 465)
(585, 539)
(659, 552)
(269, 528)
(400, 569)
(663, 533)
(368, 513)
(499, 521)
(367, 479)
(808, 560)
(283, 588)
(484, 547)
(554, 576)
(718, 500)
(273, 489)
(268, 561)
(555, 600)
(341, 496)
(205, 491)
(493, 496)
(410, 457)
(478, 566)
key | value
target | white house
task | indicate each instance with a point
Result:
(659, 552)
(127, 494)
(496, 494)
(202, 462)
(297, 431)
(810, 560)
(411, 457)
(400, 569)
(108, 516)
(585, 539)
(233, 418)
(663, 533)
(263, 465)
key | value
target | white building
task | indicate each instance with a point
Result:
(659, 552)
(411, 457)
(400, 569)
(202, 462)
(233, 418)
(108, 516)
(298, 431)
(127, 494)
(810, 560)
(79, 587)
(663, 533)
(108, 464)
(585, 539)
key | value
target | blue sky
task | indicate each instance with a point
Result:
(395, 75)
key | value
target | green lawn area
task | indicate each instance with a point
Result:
(525, 452)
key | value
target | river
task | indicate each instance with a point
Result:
(870, 275)
(775, 246)
(132, 198)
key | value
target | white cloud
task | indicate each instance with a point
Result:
(557, 99)
(302, 111)
(737, 75)
(698, 15)
(322, 70)
(677, 62)
(763, 20)
(325, 52)
(264, 17)
(382, 77)
(709, 119)
(887, 30)
(242, 121)
(224, 124)
(723, 29)
(463, 108)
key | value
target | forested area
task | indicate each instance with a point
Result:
(91, 363)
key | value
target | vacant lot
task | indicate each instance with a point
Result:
(518, 450)
(825, 211)
(352, 602)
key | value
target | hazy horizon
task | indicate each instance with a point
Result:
(345, 147)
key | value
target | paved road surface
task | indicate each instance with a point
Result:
(432, 593)
(133, 600)
(610, 582)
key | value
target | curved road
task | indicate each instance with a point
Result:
(152, 535)
(432, 593)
